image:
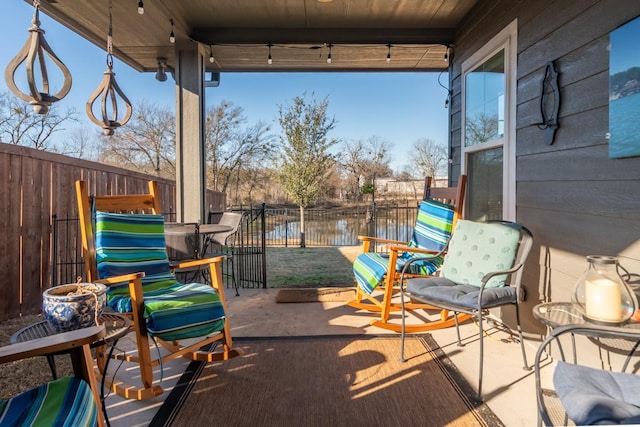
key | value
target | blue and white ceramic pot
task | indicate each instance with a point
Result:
(73, 306)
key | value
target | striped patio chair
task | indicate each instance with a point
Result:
(432, 231)
(124, 248)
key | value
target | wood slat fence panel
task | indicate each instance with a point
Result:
(35, 186)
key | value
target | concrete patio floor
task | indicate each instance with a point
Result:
(508, 389)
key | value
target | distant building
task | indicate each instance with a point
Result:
(390, 187)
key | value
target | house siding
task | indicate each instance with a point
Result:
(575, 199)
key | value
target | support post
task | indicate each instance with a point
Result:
(190, 143)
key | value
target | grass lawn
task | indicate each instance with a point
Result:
(295, 267)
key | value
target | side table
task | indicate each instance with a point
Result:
(556, 314)
(116, 326)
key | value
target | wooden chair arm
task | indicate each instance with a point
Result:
(198, 262)
(121, 279)
(414, 250)
(52, 344)
(380, 240)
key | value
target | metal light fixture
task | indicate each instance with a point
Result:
(34, 49)
(172, 35)
(161, 74)
(269, 59)
(108, 89)
(388, 53)
(140, 8)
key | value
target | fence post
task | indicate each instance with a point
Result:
(54, 274)
(286, 228)
(264, 247)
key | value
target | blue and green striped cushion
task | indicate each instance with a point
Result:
(434, 225)
(67, 401)
(432, 231)
(129, 243)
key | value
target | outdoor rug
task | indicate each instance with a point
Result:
(326, 381)
(330, 294)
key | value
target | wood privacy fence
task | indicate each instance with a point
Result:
(35, 186)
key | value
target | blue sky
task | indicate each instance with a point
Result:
(398, 107)
(624, 47)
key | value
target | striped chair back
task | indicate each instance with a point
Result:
(434, 224)
(129, 243)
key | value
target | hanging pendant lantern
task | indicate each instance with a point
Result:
(34, 49)
(107, 91)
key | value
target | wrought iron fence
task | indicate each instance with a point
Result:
(340, 226)
(249, 251)
(259, 228)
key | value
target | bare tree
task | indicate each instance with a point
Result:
(352, 159)
(304, 160)
(83, 142)
(232, 147)
(20, 125)
(363, 161)
(146, 143)
(430, 158)
(376, 164)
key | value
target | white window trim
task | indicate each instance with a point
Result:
(506, 39)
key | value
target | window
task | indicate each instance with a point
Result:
(488, 119)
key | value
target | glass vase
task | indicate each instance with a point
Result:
(601, 293)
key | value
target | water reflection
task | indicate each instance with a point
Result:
(329, 229)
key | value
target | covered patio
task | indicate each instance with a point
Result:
(576, 199)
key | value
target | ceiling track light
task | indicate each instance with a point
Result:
(140, 8)
(388, 52)
(269, 59)
(329, 55)
(172, 35)
(211, 58)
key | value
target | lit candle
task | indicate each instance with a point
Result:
(603, 300)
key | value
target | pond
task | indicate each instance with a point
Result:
(340, 227)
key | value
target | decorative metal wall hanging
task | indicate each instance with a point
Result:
(549, 103)
(34, 49)
(109, 88)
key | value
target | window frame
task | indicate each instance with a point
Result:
(506, 40)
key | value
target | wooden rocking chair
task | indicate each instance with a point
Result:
(440, 205)
(124, 248)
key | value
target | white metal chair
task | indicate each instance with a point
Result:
(224, 243)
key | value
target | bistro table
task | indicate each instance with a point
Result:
(187, 241)
(201, 233)
(556, 314)
(182, 229)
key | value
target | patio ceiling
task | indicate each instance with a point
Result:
(239, 31)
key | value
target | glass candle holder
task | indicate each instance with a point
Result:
(601, 293)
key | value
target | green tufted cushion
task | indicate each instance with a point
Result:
(478, 248)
